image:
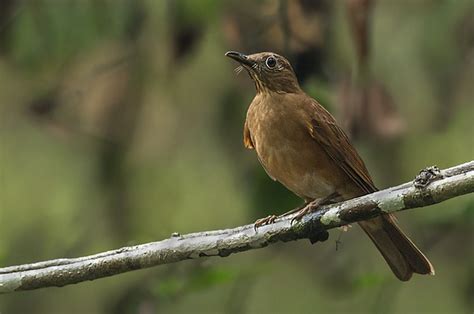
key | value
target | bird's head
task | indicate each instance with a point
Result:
(269, 71)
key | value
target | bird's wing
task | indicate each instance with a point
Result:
(247, 139)
(334, 141)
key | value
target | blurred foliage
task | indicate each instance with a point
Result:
(121, 122)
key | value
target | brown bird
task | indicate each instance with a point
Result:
(299, 144)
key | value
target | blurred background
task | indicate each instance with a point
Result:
(121, 123)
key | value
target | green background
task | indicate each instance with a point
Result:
(121, 123)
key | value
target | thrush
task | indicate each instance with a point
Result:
(300, 145)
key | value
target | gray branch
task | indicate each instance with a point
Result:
(430, 186)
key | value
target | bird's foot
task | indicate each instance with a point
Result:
(271, 218)
(264, 221)
(311, 207)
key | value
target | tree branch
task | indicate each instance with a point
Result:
(431, 186)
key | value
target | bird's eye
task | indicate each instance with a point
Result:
(271, 62)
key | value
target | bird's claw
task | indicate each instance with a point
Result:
(300, 214)
(264, 221)
(311, 207)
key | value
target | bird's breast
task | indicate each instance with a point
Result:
(287, 151)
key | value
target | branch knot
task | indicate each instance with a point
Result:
(426, 176)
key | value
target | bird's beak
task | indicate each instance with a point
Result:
(240, 57)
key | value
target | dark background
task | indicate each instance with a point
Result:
(121, 122)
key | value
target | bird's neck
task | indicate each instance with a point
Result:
(269, 101)
(282, 86)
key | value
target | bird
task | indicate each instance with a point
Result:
(299, 144)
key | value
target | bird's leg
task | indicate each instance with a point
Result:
(294, 210)
(271, 218)
(264, 221)
(302, 210)
(314, 205)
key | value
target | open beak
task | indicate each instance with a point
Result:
(240, 57)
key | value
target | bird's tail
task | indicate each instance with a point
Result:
(401, 254)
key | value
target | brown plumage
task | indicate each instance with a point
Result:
(299, 144)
